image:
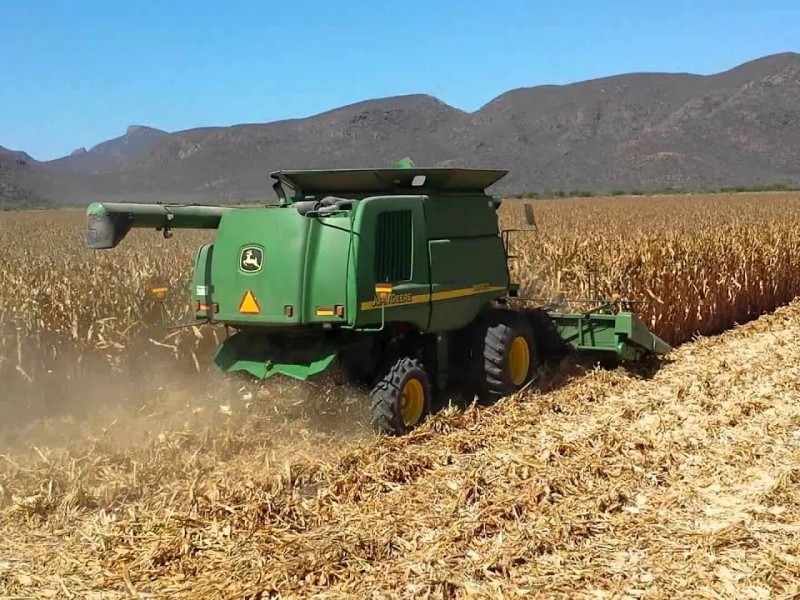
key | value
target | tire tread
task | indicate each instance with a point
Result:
(384, 397)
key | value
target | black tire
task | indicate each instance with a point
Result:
(495, 335)
(386, 397)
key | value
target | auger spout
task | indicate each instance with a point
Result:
(109, 223)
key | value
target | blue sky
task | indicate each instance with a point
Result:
(75, 73)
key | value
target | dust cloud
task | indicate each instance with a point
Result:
(146, 400)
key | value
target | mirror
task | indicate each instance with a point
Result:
(529, 218)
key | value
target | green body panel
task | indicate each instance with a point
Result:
(410, 300)
(241, 353)
(310, 264)
(467, 259)
(327, 272)
(303, 265)
(458, 262)
(457, 296)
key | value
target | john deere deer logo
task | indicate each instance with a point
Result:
(251, 259)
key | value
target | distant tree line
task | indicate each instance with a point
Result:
(36, 203)
(552, 194)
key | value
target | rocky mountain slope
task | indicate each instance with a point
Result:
(642, 130)
(111, 155)
(15, 184)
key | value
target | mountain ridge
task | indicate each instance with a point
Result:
(110, 154)
(637, 130)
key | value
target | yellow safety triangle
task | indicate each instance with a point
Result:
(249, 304)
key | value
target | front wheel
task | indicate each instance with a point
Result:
(505, 355)
(401, 399)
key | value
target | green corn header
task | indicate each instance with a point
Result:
(400, 276)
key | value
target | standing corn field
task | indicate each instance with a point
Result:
(692, 265)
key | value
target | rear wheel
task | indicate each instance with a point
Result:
(401, 399)
(504, 354)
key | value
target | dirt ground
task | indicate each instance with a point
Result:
(683, 481)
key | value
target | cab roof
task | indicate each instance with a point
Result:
(403, 180)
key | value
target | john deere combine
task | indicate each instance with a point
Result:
(400, 275)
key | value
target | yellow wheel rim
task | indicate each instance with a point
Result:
(519, 359)
(412, 401)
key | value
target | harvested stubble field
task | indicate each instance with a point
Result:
(129, 471)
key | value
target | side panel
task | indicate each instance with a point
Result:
(465, 275)
(391, 247)
(467, 260)
(326, 269)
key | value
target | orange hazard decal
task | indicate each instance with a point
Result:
(249, 304)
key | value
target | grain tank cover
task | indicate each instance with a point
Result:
(395, 181)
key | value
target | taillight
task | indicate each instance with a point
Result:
(204, 307)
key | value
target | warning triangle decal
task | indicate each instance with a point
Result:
(249, 305)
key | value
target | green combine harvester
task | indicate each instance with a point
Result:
(399, 276)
